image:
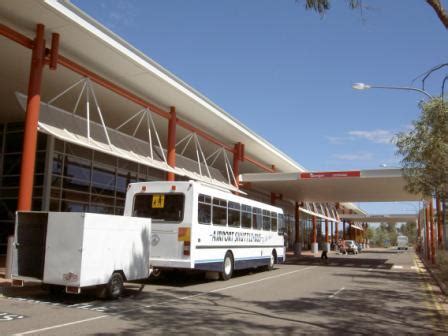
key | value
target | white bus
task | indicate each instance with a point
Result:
(196, 226)
(402, 242)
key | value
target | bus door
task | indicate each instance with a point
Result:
(167, 212)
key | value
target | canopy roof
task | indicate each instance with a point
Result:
(399, 218)
(376, 185)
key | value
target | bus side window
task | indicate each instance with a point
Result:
(281, 224)
(246, 216)
(234, 214)
(257, 219)
(204, 209)
(273, 221)
(266, 220)
(219, 211)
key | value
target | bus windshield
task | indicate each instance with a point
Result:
(160, 207)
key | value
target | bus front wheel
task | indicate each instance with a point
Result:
(227, 267)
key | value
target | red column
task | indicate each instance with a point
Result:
(31, 120)
(326, 230)
(336, 233)
(428, 252)
(331, 232)
(431, 224)
(171, 143)
(314, 230)
(238, 155)
(297, 225)
(343, 229)
(439, 223)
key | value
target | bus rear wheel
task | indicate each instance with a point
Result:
(227, 267)
(272, 261)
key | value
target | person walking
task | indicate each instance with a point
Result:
(324, 251)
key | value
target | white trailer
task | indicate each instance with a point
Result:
(78, 250)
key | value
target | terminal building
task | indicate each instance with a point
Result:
(107, 115)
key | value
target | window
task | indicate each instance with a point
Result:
(234, 214)
(281, 224)
(266, 220)
(246, 216)
(204, 209)
(273, 221)
(257, 219)
(160, 207)
(219, 211)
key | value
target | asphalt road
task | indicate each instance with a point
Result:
(375, 292)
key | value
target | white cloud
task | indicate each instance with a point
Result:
(337, 140)
(377, 136)
(354, 157)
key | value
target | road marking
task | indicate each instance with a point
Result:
(370, 269)
(162, 303)
(336, 293)
(60, 325)
(440, 309)
(397, 266)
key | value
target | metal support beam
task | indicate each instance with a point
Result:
(238, 155)
(31, 120)
(428, 252)
(171, 143)
(326, 230)
(439, 223)
(432, 237)
(297, 247)
(314, 230)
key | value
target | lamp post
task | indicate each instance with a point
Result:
(363, 86)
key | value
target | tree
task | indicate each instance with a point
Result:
(322, 6)
(425, 151)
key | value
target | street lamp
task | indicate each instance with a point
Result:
(363, 86)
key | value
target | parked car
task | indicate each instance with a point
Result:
(351, 246)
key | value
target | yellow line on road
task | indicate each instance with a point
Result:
(429, 289)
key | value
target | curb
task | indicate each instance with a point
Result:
(439, 282)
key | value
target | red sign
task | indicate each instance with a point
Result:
(319, 175)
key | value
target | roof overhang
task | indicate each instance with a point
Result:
(377, 185)
(88, 43)
(399, 218)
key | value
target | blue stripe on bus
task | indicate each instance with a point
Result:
(240, 263)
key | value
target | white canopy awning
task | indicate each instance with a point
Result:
(72, 128)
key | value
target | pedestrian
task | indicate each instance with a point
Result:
(324, 251)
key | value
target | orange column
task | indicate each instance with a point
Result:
(336, 233)
(431, 224)
(31, 120)
(314, 230)
(326, 230)
(428, 252)
(343, 229)
(331, 232)
(171, 143)
(238, 155)
(297, 225)
(439, 223)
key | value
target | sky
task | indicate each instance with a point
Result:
(287, 73)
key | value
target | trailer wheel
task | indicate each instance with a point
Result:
(115, 287)
(227, 266)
